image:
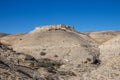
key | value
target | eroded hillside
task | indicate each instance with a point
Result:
(58, 52)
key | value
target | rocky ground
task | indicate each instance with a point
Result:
(58, 52)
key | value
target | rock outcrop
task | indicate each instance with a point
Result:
(19, 66)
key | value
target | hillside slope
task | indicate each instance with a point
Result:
(58, 52)
(110, 48)
(102, 36)
(58, 42)
(3, 34)
(11, 39)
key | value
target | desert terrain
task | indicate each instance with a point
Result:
(59, 52)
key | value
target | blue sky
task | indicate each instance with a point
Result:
(85, 15)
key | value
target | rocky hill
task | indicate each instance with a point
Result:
(3, 34)
(11, 38)
(102, 36)
(58, 52)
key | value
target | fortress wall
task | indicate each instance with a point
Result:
(53, 27)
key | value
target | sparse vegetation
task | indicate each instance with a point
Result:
(45, 62)
(29, 57)
(64, 73)
(42, 53)
(56, 56)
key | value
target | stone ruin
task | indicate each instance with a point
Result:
(55, 27)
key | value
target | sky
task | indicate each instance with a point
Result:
(18, 16)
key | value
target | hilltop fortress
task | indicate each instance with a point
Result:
(55, 27)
